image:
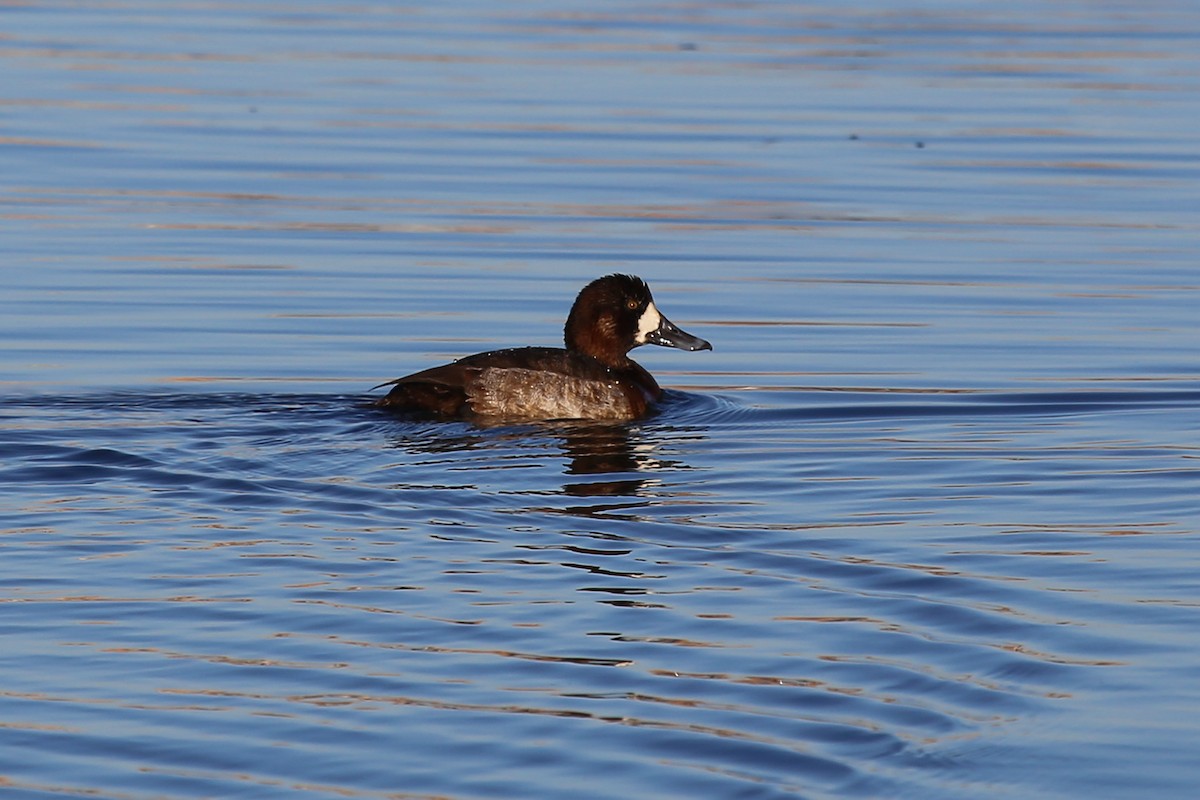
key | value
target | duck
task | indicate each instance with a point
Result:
(592, 378)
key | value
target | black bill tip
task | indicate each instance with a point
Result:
(667, 334)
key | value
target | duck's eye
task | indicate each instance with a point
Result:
(632, 305)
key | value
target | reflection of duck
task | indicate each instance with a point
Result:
(601, 450)
(593, 378)
(596, 459)
(625, 460)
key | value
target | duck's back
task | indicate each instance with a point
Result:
(526, 383)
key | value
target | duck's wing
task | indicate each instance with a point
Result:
(446, 390)
(457, 373)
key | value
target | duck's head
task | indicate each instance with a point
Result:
(616, 313)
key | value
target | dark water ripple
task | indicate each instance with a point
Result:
(338, 596)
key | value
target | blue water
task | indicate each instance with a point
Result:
(924, 524)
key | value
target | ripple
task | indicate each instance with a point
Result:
(298, 566)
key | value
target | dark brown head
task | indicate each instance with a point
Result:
(614, 314)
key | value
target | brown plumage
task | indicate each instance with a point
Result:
(593, 378)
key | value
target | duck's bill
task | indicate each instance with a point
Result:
(668, 335)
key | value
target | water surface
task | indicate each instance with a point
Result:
(924, 524)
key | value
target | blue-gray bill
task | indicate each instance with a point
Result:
(667, 334)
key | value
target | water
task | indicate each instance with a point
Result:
(924, 524)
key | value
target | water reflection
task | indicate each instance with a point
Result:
(623, 457)
(612, 450)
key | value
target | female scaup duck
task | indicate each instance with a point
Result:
(593, 378)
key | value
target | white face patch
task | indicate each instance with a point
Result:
(648, 323)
